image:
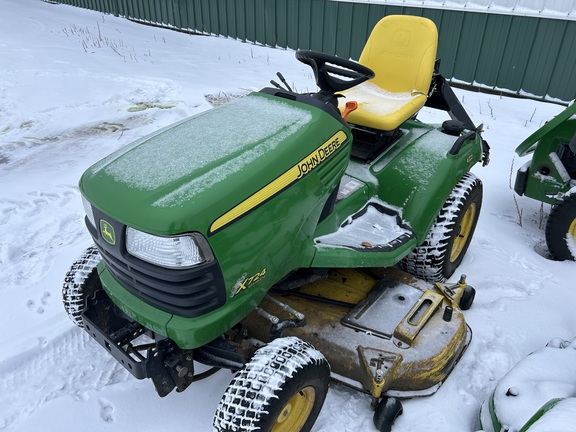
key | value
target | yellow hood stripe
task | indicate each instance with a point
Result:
(293, 174)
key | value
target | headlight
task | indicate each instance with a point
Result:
(88, 210)
(172, 252)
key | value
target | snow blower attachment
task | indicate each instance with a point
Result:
(269, 247)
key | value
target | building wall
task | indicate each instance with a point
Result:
(532, 53)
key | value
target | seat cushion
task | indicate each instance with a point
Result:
(401, 50)
(381, 109)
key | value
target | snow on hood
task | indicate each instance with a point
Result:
(561, 418)
(546, 374)
(213, 144)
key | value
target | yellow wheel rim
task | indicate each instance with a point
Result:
(572, 229)
(464, 232)
(295, 413)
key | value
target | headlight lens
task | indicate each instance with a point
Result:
(171, 252)
(88, 210)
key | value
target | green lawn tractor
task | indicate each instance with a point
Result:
(550, 177)
(271, 236)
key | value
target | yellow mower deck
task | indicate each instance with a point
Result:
(382, 332)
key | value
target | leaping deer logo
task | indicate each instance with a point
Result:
(107, 232)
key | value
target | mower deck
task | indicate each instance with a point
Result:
(383, 333)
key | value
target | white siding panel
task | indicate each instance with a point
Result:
(556, 9)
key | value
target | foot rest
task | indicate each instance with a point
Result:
(375, 228)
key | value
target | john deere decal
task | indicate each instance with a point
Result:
(107, 232)
(295, 173)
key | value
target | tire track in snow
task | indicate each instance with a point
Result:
(493, 284)
(48, 221)
(345, 410)
(483, 365)
(30, 142)
(131, 114)
(34, 206)
(71, 365)
(37, 148)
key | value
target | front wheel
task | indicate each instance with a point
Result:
(436, 259)
(561, 230)
(282, 389)
(80, 282)
(386, 412)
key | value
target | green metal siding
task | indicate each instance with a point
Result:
(449, 30)
(491, 55)
(329, 20)
(469, 46)
(361, 31)
(544, 56)
(564, 72)
(522, 54)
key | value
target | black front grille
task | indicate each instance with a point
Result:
(186, 292)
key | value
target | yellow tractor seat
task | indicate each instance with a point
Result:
(401, 50)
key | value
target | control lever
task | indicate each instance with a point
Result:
(279, 75)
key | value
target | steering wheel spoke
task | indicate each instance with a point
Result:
(332, 73)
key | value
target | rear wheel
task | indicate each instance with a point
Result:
(443, 250)
(80, 282)
(561, 230)
(282, 389)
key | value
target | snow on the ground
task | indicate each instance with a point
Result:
(76, 85)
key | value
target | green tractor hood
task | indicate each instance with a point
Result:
(252, 177)
(551, 127)
(185, 176)
(552, 168)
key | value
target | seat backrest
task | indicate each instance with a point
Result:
(401, 50)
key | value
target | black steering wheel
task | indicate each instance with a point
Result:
(328, 68)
